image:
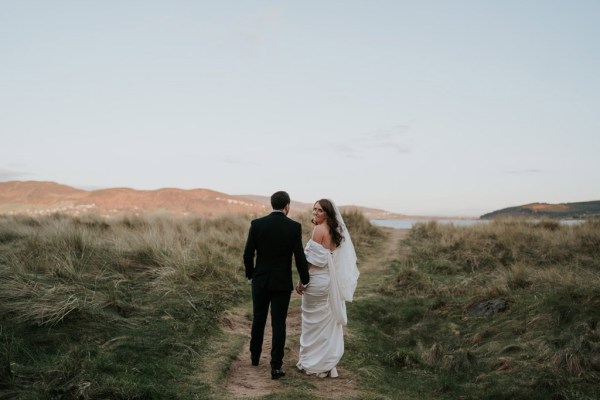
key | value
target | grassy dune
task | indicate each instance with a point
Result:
(115, 309)
(420, 336)
(95, 308)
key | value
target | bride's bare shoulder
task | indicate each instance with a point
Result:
(318, 233)
(322, 236)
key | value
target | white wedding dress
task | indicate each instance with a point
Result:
(322, 338)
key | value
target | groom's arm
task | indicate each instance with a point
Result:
(249, 251)
(300, 258)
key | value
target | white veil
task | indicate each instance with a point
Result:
(344, 274)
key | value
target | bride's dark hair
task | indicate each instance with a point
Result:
(332, 222)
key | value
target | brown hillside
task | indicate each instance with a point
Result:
(539, 207)
(39, 198)
(576, 210)
(31, 192)
(42, 198)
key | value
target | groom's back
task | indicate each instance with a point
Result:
(275, 239)
(274, 236)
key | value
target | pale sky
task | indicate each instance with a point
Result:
(416, 107)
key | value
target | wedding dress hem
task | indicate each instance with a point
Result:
(327, 374)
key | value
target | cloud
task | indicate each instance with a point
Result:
(390, 132)
(259, 29)
(524, 171)
(391, 145)
(345, 150)
(394, 138)
(237, 160)
(9, 174)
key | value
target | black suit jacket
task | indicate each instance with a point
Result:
(274, 239)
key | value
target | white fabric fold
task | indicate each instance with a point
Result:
(322, 338)
(321, 257)
(344, 259)
(333, 279)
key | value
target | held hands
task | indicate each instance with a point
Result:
(300, 288)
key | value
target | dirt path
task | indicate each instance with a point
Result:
(245, 381)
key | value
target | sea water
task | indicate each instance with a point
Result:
(409, 223)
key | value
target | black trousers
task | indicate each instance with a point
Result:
(279, 302)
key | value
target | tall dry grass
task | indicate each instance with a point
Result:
(113, 308)
(505, 242)
(544, 344)
(70, 259)
(119, 308)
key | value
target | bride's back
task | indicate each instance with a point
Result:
(322, 236)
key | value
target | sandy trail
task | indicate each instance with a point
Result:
(246, 381)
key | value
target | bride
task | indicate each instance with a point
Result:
(333, 279)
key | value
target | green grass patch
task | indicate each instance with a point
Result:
(121, 309)
(419, 336)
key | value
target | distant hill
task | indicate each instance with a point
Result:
(43, 198)
(579, 210)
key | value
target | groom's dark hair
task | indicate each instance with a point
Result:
(279, 200)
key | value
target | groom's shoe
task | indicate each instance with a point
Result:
(254, 361)
(277, 373)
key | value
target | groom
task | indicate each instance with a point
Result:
(274, 239)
